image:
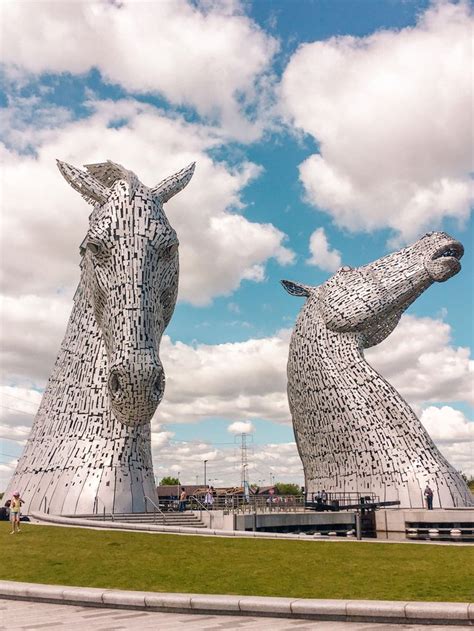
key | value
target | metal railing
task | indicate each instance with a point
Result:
(270, 504)
(238, 503)
(340, 500)
(156, 508)
(193, 499)
(95, 510)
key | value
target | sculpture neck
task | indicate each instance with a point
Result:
(329, 352)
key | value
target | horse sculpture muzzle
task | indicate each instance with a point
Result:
(136, 386)
(444, 262)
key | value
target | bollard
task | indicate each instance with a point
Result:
(358, 526)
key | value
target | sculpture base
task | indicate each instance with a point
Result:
(78, 491)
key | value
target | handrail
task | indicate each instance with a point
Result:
(201, 505)
(156, 508)
(96, 507)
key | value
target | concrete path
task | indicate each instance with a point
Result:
(34, 616)
(294, 609)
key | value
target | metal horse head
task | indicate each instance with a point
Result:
(371, 299)
(130, 271)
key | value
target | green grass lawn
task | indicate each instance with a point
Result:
(212, 565)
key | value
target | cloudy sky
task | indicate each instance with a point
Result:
(326, 133)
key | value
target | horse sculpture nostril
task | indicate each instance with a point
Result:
(114, 384)
(160, 385)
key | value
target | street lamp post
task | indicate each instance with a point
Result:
(205, 478)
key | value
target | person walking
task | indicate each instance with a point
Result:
(429, 497)
(182, 500)
(15, 508)
(209, 499)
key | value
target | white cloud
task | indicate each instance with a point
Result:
(209, 55)
(321, 254)
(6, 471)
(236, 381)
(392, 114)
(454, 435)
(18, 406)
(239, 427)
(30, 335)
(242, 381)
(447, 425)
(420, 362)
(278, 460)
(46, 219)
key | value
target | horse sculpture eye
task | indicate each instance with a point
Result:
(93, 247)
(171, 250)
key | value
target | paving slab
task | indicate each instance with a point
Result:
(19, 615)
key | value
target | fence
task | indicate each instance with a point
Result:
(238, 503)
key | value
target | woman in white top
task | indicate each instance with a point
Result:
(209, 499)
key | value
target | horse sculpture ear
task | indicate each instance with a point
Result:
(168, 187)
(84, 183)
(296, 289)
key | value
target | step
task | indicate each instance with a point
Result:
(172, 519)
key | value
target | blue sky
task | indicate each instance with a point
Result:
(285, 106)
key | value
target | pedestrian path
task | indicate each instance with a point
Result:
(297, 610)
(34, 616)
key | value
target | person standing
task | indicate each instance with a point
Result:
(15, 508)
(209, 499)
(429, 497)
(182, 500)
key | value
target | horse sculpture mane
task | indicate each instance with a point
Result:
(353, 430)
(90, 444)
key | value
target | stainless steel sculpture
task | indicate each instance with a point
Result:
(89, 447)
(353, 430)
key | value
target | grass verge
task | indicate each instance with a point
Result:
(212, 565)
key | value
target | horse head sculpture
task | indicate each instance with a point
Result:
(354, 431)
(370, 299)
(130, 266)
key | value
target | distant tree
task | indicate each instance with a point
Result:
(283, 488)
(469, 481)
(168, 481)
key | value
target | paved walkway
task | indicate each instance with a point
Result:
(33, 616)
